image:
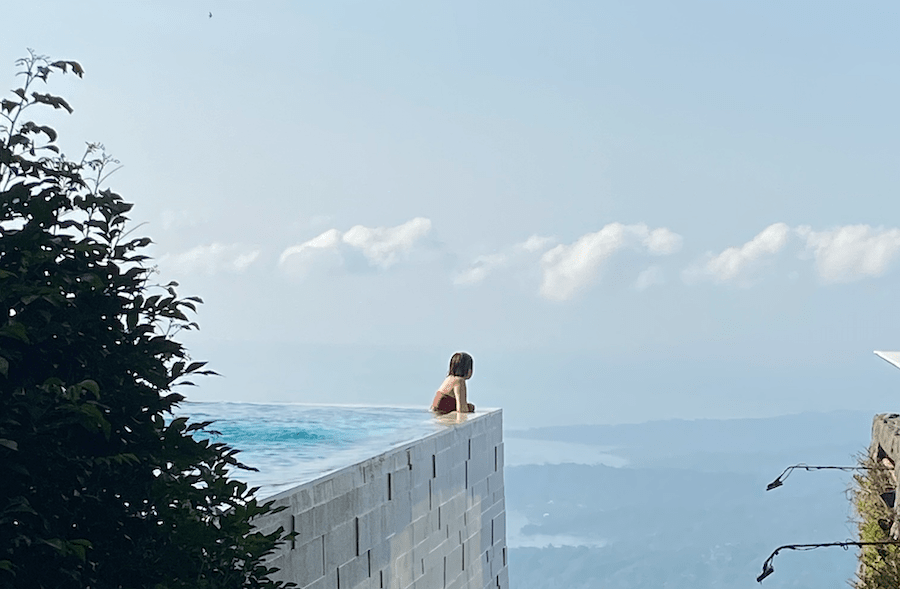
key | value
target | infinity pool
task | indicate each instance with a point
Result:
(293, 443)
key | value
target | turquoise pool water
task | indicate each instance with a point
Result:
(293, 443)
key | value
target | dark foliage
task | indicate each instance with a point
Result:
(97, 488)
(880, 565)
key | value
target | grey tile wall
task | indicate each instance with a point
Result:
(429, 514)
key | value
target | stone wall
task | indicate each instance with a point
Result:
(886, 451)
(428, 514)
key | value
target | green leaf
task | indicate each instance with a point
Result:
(194, 366)
(95, 419)
(15, 331)
(9, 444)
(79, 547)
(48, 131)
(20, 505)
(54, 101)
(90, 385)
(4, 366)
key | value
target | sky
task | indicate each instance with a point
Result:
(624, 211)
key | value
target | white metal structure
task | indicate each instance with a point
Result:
(892, 357)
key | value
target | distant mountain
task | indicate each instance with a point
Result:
(838, 435)
(690, 509)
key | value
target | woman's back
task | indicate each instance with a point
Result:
(451, 396)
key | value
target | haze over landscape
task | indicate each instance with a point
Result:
(685, 504)
(674, 217)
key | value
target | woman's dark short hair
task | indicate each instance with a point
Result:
(460, 364)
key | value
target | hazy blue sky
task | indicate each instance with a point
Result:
(624, 211)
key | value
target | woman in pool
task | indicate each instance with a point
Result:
(451, 396)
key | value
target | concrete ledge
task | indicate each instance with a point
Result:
(426, 514)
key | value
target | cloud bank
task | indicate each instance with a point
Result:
(382, 247)
(513, 256)
(842, 254)
(851, 252)
(213, 259)
(739, 264)
(568, 269)
(561, 271)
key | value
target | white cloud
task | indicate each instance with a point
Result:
(535, 243)
(328, 240)
(320, 252)
(482, 266)
(739, 264)
(381, 246)
(567, 269)
(851, 252)
(649, 277)
(385, 246)
(243, 261)
(663, 242)
(213, 259)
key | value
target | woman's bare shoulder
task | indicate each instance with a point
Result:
(451, 382)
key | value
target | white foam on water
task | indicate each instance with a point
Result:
(516, 538)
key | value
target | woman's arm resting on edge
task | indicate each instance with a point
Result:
(460, 391)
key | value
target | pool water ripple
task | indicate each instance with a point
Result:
(293, 443)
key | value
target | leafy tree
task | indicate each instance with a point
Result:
(99, 487)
